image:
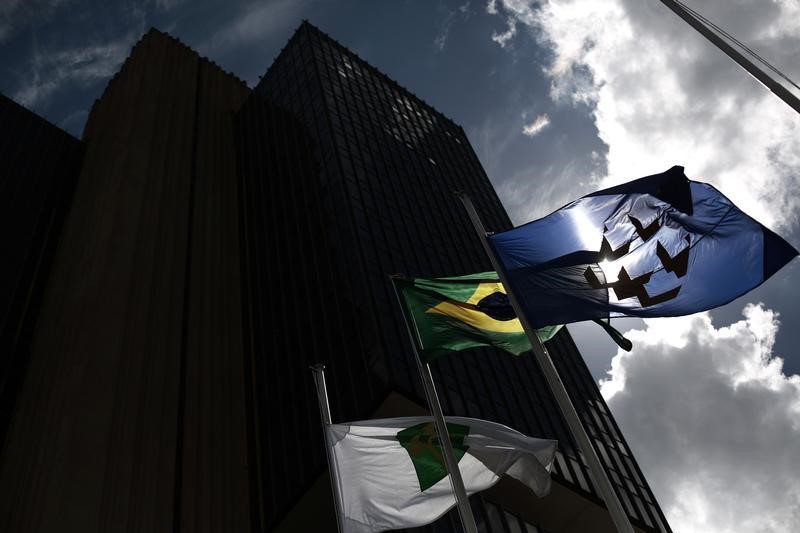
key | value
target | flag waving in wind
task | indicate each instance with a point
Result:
(657, 246)
(391, 474)
(452, 314)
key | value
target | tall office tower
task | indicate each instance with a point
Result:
(346, 178)
(130, 417)
(217, 242)
(39, 164)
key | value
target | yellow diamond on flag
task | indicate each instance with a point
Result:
(476, 310)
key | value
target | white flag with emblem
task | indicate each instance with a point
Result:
(390, 472)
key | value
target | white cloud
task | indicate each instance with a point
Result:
(254, 22)
(51, 70)
(713, 421)
(166, 5)
(55, 67)
(521, 10)
(538, 124)
(440, 41)
(441, 38)
(709, 413)
(16, 15)
(493, 138)
(663, 95)
(503, 38)
(8, 9)
(518, 11)
(74, 121)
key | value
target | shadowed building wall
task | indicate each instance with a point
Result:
(39, 165)
(132, 416)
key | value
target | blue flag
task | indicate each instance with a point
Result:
(657, 246)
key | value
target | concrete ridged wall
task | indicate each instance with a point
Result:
(132, 417)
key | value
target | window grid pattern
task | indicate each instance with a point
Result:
(489, 518)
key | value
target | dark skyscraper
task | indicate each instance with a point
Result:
(220, 240)
(38, 167)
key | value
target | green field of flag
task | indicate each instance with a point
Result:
(456, 313)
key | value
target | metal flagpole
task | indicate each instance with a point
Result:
(777, 88)
(621, 520)
(462, 500)
(318, 371)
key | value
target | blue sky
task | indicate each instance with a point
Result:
(559, 98)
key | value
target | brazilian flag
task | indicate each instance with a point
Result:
(452, 314)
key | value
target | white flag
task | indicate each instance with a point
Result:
(390, 472)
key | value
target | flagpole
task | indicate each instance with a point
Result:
(618, 515)
(318, 372)
(773, 85)
(457, 482)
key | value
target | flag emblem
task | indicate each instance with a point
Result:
(453, 314)
(637, 235)
(422, 445)
(487, 309)
(662, 245)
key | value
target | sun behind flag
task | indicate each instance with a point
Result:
(657, 246)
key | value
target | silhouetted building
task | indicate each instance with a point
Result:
(39, 165)
(218, 242)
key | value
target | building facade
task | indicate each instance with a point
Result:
(219, 241)
(35, 192)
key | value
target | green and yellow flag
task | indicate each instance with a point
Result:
(452, 314)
